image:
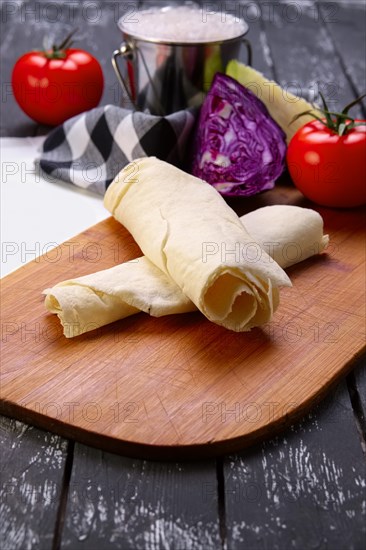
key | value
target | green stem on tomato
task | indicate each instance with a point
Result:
(335, 121)
(67, 42)
(59, 52)
(354, 102)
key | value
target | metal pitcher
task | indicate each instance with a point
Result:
(164, 77)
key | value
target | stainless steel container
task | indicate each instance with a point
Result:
(163, 77)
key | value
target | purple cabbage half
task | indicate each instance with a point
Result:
(238, 147)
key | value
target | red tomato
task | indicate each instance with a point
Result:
(52, 90)
(327, 168)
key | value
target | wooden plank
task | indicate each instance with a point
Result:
(8, 14)
(346, 25)
(164, 389)
(330, 37)
(305, 489)
(13, 120)
(314, 474)
(32, 465)
(250, 12)
(108, 408)
(360, 383)
(303, 52)
(347, 29)
(356, 381)
(23, 493)
(117, 502)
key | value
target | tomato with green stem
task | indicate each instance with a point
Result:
(326, 158)
(57, 83)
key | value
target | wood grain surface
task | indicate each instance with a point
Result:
(282, 485)
(118, 502)
(30, 490)
(312, 469)
(179, 385)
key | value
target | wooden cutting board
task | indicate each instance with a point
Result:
(180, 386)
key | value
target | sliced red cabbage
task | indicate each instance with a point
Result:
(238, 147)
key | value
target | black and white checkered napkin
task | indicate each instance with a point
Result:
(90, 149)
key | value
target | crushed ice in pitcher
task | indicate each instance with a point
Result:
(182, 24)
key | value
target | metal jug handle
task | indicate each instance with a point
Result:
(248, 46)
(126, 51)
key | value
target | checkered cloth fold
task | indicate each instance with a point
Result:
(90, 149)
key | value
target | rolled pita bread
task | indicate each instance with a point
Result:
(187, 230)
(95, 300)
(92, 301)
(289, 234)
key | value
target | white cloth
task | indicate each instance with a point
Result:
(30, 224)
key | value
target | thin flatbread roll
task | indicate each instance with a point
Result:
(289, 234)
(95, 300)
(185, 228)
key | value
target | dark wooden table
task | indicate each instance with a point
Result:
(304, 489)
